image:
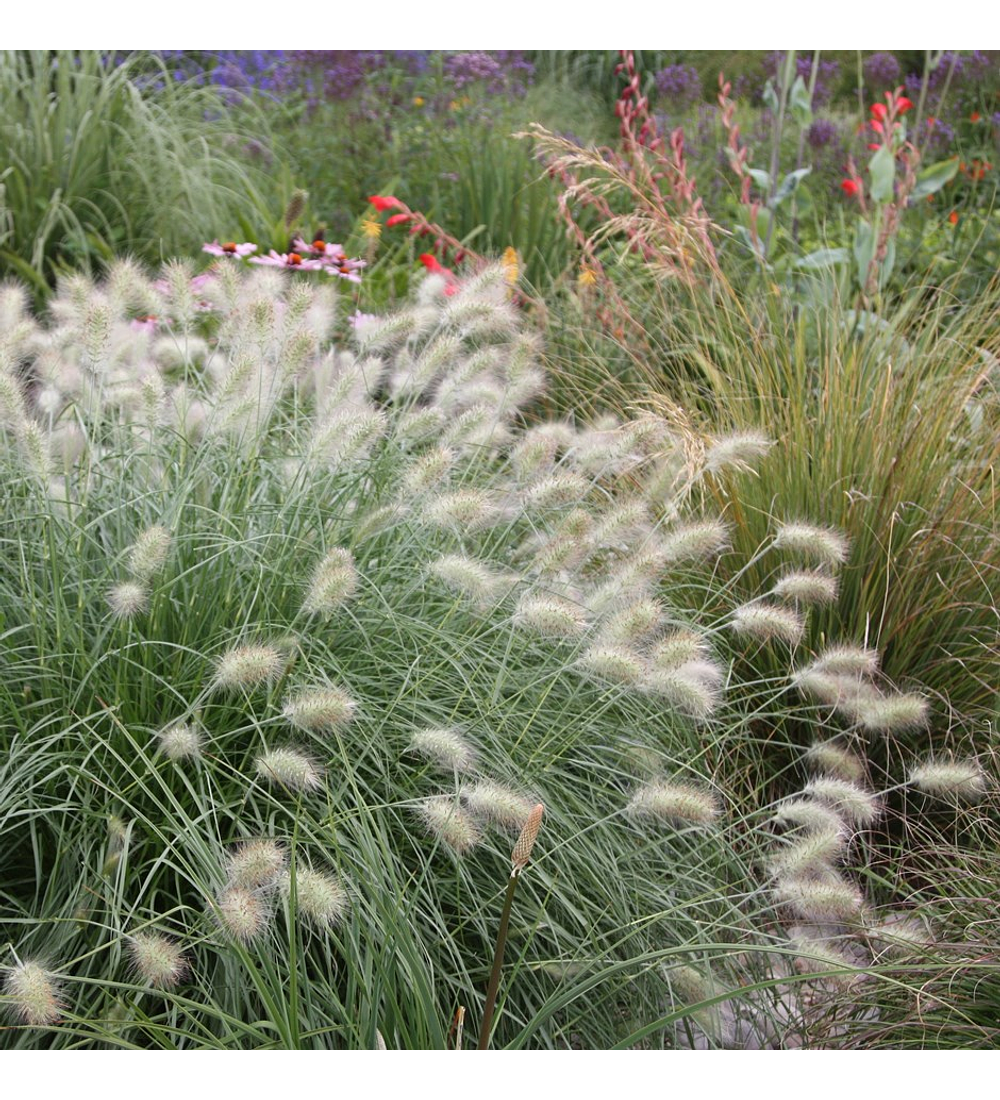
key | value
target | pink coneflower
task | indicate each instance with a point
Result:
(292, 260)
(229, 248)
(361, 319)
(143, 324)
(345, 268)
(318, 247)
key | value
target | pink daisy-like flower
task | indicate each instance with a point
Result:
(143, 324)
(229, 248)
(318, 247)
(360, 319)
(345, 268)
(292, 260)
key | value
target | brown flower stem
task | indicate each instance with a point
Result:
(491, 991)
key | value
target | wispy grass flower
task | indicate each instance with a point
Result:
(248, 667)
(676, 802)
(445, 747)
(550, 616)
(320, 709)
(809, 587)
(960, 779)
(497, 804)
(614, 664)
(291, 769)
(256, 863)
(821, 544)
(244, 914)
(148, 554)
(835, 760)
(321, 899)
(34, 994)
(127, 600)
(450, 823)
(333, 583)
(768, 622)
(181, 741)
(157, 960)
(858, 805)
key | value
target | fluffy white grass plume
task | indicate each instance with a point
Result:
(768, 622)
(691, 688)
(461, 511)
(820, 544)
(556, 490)
(321, 898)
(806, 586)
(255, 863)
(814, 851)
(333, 583)
(289, 768)
(810, 815)
(428, 471)
(676, 802)
(959, 779)
(445, 747)
(248, 667)
(127, 600)
(181, 741)
(469, 577)
(677, 648)
(149, 553)
(857, 805)
(157, 960)
(740, 449)
(243, 914)
(832, 758)
(694, 541)
(823, 898)
(847, 660)
(34, 994)
(319, 709)
(615, 664)
(497, 804)
(891, 713)
(550, 616)
(450, 823)
(632, 624)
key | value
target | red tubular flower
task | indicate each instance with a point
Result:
(397, 219)
(432, 264)
(879, 111)
(874, 145)
(903, 105)
(850, 187)
(975, 116)
(384, 202)
(876, 126)
(953, 217)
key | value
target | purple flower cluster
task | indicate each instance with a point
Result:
(502, 72)
(966, 76)
(881, 71)
(821, 133)
(680, 84)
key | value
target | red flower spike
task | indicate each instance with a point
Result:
(384, 202)
(397, 219)
(874, 145)
(903, 105)
(879, 111)
(850, 187)
(876, 126)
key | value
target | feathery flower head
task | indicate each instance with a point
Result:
(695, 541)
(511, 265)
(320, 709)
(612, 663)
(428, 471)
(677, 802)
(446, 748)
(157, 960)
(827, 898)
(835, 760)
(248, 666)
(180, 741)
(468, 577)
(461, 511)
(550, 616)
(819, 543)
(677, 648)
(449, 823)
(633, 623)
(556, 491)
(766, 622)
(333, 583)
(810, 815)
(321, 899)
(963, 779)
(691, 688)
(853, 802)
(290, 768)
(497, 804)
(891, 713)
(848, 660)
(243, 914)
(33, 994)
(741, 449)
(811, 853)
(900, 934)
(148, 554)
(806, 587)
(255, 863)
(128, 599)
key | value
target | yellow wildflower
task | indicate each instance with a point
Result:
(511, 266)
(371, 228)
(419, 101)
(587, 277)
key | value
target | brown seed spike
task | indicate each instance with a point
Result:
(526, 841)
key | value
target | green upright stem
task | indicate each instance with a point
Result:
(491, 991)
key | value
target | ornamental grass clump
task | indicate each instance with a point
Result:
(362, 659)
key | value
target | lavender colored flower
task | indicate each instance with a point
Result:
(881, 72)
(680, 84)
(827, 74)
(822, 133)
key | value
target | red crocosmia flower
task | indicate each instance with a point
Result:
(876, 125)
(879, 111)
(432, 264)
(903, 105)
(397, 219)
(384, 202)
(931, 121)
(874, 145)
(975, 116)
(953, 217)
(850, 187)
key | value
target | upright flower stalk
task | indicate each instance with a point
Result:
(518, 861)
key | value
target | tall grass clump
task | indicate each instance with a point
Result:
(103, 156)
(378, 619)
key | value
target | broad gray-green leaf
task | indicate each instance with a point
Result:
(770, 97)
(934, 177)
(761, 178)
(801, 102)
(883, 172)
(822, 258)
(790, 183)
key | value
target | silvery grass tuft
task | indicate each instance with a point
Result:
(383, 610)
